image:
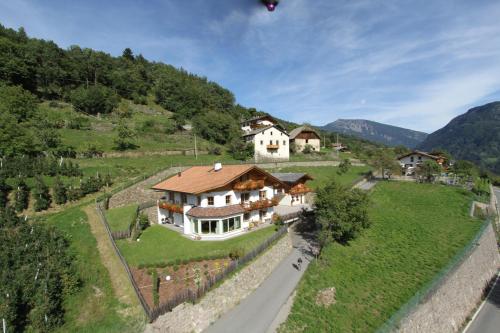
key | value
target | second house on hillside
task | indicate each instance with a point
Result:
(217, 202)
(409, 162)
(270, 140)
(303, 136)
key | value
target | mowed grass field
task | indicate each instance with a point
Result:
(416, 230)
(93, 308)
(120, 219)
(159, 246)
(323, 174)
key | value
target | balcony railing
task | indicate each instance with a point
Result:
(260, 204)
(249, 185)
(171, 207)
(273, 146)
(300, 189)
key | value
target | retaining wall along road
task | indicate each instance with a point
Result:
(447, 305)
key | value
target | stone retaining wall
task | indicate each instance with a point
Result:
(197, 317)
(447, 308)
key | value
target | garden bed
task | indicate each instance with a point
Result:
(184, 277)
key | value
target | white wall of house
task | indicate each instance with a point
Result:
(301, 143)
(271, 136)
(412, 160)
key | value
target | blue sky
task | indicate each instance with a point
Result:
(415, 64)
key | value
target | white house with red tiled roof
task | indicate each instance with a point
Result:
(220, 201)
(409, 162)
(271, 142)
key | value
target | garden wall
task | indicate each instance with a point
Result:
(189, 317)
(447, 305)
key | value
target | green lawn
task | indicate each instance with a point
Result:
(417, 229)
(120, 219)
(93, 308)
(323, 174)
(159, 245)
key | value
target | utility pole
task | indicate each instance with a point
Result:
(337, 145)
(195, 148)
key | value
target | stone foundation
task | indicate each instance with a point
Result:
(197, 317)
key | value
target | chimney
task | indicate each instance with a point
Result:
(217, 166)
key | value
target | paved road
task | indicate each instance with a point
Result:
(257, 312)
(487, 320)
(366, 186)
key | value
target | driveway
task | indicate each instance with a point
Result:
(258, 312)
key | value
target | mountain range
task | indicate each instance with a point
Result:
(377, 132)
(473, 136)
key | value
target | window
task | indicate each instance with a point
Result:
(284, 142)
(270, 142)
(231, 224)
(411, 159)
(210, 201)
(277, 143)
(246, 216)
(262, 195)
(245, 197)
(195, 226)
(271, 132)
(228, 199)
(184, 198)
(198, 199)
(261, 142)
(171, 196)
(420, 158)
(209, 227)
(307, 140)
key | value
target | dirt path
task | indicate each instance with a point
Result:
(122, 288)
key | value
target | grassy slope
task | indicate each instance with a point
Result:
(151, 123)
(322, 174)
(416, 230)
(159, 244)
(119, 219)
(93, 308)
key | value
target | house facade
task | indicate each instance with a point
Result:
(409, 162)
(296, 190)
(304, 135)
(271, 142)
(218, 202)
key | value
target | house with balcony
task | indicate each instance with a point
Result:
(270, 140)
(296, 190)
(409, 162)
(217, 202)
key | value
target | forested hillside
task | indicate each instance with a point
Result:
(93, 83)
(473, 136)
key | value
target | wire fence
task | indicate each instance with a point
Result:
(185, 295)
(430, 288)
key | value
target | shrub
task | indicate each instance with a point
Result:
(308, 149)
(60, 192)
(143, 221)
(236, 253)
(215, 150)
(94, 99)
(22, 196)
(41, 195)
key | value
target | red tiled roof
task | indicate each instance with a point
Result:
(201, 179)
(207, 212)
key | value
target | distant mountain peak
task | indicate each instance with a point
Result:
(377, 132)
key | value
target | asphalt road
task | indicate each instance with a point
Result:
(487, 319)
(258, 312)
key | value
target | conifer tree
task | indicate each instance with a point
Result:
(4, 193)
(22, 196)
(60, 192)
(41, 195)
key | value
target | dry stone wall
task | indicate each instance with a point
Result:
(446, 308)
(197, 317)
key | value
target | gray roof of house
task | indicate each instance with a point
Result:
(258, 130)
(298, 130)
(288, 177)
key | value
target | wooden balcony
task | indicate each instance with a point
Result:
(300, 189)
(171, 207)
(273, 146)
(260, 204)
(249, 185)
